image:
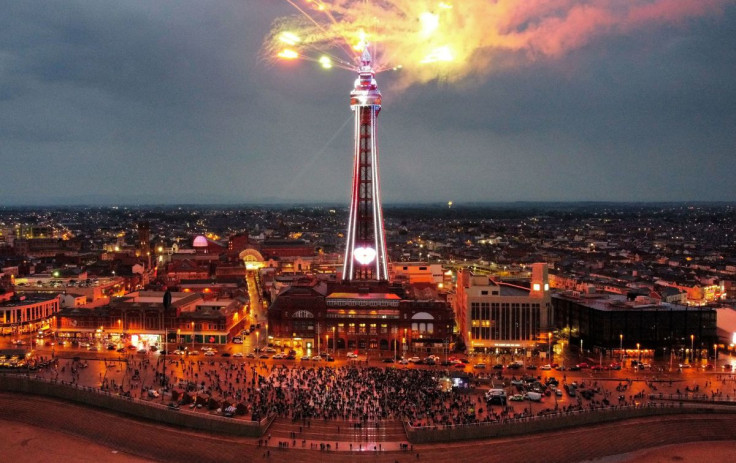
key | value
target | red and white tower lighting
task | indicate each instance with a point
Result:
(365, 250)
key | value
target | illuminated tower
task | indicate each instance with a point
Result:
(365, 250)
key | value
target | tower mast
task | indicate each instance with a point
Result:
(365, 250)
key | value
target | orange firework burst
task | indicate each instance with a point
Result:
(453, 40)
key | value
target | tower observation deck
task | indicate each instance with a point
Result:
(365, 250)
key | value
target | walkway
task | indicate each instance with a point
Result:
(338, 435)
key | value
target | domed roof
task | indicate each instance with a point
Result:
(200, 242)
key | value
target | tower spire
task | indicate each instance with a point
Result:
(365, 249)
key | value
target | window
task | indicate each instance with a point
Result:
(484, 293)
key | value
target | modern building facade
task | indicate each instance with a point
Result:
(613, 322)
(493, 315)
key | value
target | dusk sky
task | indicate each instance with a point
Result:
(162, 102)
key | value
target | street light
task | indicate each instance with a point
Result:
(692, 352)
(258, 333)
(192, 335)
(621, 347)
(549, 345)
(715, 353)
(638, 352)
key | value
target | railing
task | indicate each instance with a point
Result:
(551, 421)
(19, 382)
(692, 397)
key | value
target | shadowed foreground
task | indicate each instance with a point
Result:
(36, 428)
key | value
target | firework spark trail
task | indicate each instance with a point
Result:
(434, 39)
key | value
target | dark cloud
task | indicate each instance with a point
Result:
(172, 101)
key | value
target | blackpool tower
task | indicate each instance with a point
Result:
(365, 250)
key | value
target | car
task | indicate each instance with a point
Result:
(546, 367)
(498, 366)
(459, 365)
(583, 365)
(194, 352)
(388, 360)
(414, 359)
(94, 348)
(516, 398)
(330, 358)
(238, 355)
(596, 367)
(615, 366)
(251, 355)
(558, 392)
(727, 367)
(132, 347)
(121, 349)
(264, 356)
(305, 358)
(575, 368)
(684, 365)
(209, 353)
(142, 350)
(709, 366)
(270, 350)
(278, 356)
(111, 347)
(152, 393)
(179, 352)
(353, 355)
(316, 358)
(290, 357)
(403, 362)
(531, 367)
(237, 340)
(480, 366)
(225, 354)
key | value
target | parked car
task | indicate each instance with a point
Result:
(480, 366)
(153, 393)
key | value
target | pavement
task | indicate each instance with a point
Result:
(144, 441)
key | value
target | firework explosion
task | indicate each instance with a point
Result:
(433, 39)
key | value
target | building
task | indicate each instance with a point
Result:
(611, 322)
(312, 314)
(144, 319)
(28, 312)
(417, 272)
(493, 315)
(365, 250)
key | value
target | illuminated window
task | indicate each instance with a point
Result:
(537, 287)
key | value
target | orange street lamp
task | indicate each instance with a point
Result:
(692, 347)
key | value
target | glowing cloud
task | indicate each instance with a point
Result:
(432, 39)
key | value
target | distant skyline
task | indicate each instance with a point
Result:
(171, 102)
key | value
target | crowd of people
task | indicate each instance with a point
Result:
(354, 392)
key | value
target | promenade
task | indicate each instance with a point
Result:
(152, 442)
